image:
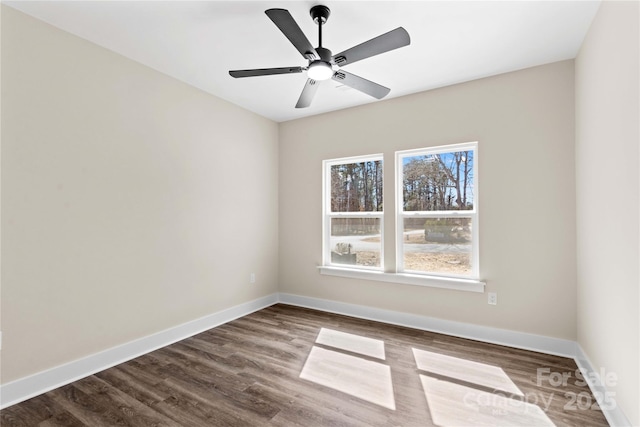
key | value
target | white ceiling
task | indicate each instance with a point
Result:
(198, 42)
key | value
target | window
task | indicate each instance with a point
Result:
(437, 218)
(353, 215)
(436, 212)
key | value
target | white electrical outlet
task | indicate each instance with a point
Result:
(252, 278)
(493, 298)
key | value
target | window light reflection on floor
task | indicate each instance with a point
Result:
(361, 378)
(351, 342)
(466, 370)
(459, 392)
(488, 396)
(343, 370)
(453, 405)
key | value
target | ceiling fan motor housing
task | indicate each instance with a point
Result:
(325, 54)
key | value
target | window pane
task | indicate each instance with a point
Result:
(355, 241)
(356, 187)
(438, 245)
(438, 182)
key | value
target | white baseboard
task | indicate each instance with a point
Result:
(611, 411)
(487, 334)
(33, 385)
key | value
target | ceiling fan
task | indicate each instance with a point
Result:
(322, 64)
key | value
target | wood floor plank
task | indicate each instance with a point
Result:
(29, 413)
(128, 408)
(248, 373)
(62, 419)
(88, 410)
(186, 409)
(126, 380)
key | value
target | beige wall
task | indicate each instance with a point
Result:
(524, 123)
(608, 207)
(131, 202)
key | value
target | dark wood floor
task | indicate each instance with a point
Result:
(247, 373)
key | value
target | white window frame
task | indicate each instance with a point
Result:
(397, 275)
(328, 215)
(472, 214)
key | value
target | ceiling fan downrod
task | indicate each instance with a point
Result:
(320, 14)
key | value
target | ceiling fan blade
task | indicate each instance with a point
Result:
(285, 22)
(363, 85)
(384, 43)
(264, 72)
(308, 92)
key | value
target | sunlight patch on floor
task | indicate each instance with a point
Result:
(454, 405)
(351, 342)
(466, 370)
(361, 378)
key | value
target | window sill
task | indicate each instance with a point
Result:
(406, 279)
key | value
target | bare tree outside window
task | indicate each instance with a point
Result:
(356, 187)
(438, 211)
(438, 182)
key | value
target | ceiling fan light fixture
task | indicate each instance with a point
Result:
(320, 70)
